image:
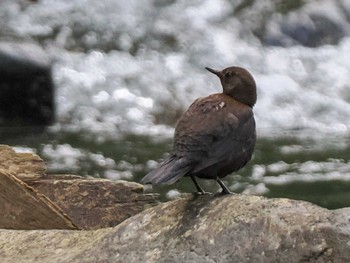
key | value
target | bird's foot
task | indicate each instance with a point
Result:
(224, 192)
(200, 190)
(202, 193)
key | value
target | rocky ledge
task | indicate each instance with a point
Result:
(233, 228)
(207, 228)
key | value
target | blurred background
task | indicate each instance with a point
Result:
(95, 87)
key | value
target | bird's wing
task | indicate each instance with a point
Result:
(212, 131)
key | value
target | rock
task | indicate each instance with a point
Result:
(314, 24)
(26, 86)
(95, 203)
(24, 208)
(85, 203)
(237, 228)
(25, 166)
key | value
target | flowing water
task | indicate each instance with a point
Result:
(125, 70)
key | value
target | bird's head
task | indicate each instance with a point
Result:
(238, 83)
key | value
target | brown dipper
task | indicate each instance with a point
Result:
(215, 136)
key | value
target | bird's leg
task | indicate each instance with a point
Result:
(225, 190)
(199, 188)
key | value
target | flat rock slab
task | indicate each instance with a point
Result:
(86, 203)
(25, 166)
(201, 229)
(24, 208)
(95, 203)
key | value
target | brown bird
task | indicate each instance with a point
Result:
(215, 136)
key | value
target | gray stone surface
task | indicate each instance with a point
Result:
(234, 228)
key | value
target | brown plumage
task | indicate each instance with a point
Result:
(215, 136)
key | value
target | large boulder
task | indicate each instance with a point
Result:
(235, 228)
(26, 87)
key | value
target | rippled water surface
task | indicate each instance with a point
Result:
(124, 71)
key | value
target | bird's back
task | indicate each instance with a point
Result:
(217, 135)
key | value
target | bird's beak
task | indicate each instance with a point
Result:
(217, 73)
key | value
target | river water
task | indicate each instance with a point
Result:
(124, 71)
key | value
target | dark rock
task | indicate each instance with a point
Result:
(317, 30)
(234, 228)
(309, 25)
(26, 87)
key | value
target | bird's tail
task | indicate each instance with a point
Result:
(170, 171)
